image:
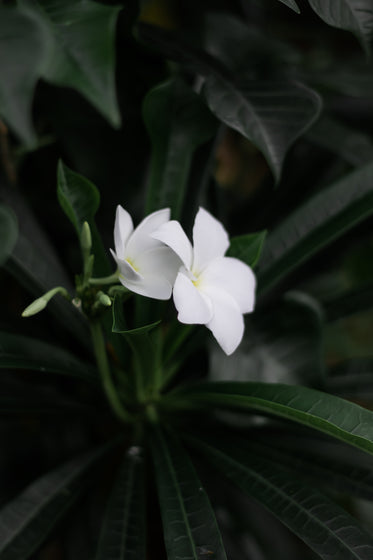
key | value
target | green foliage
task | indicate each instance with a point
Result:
(123, 533)
(177, 122)
(67, 44)
(180, 105)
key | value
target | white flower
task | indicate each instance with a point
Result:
(146, 266)
(210, 289)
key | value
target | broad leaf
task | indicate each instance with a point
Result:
(352, 15)
(123, 535)
(28, 519)
(23, 54)
(177, 122)
(22, 352)
(270, 114)
(322, 219)
(80, 199)
(291, 4)
(189, 524)
(8, 233)
(81, 39)
(247, 248)
(320, 523)
(329, 414)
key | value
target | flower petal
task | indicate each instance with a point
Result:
(173, 235)
(140, 240)
(227, 323)
(233, 276)
(127, 272)
(123, 228)
(161, 261)
(193, 307)
(155, 287)
(210, 240)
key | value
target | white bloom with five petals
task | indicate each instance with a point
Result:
(146, 266)
(210, 289)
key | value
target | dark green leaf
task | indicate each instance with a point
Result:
(177, 122)
(28, 519)
(8, 233)
(322, 470)
(324, 526)
(189, 524)
(120, 325)
(352, 15)
(21, 352)
(314, 225)
(291, 4)
(271, 115)
(35, 264)
(81, 39)
(80, 199)
(247, 247)
(23, 54)
(329, 414)
(352, 145)
(123, 535)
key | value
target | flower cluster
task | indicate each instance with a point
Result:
(157, 258)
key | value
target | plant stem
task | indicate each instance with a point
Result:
(104, 369)
(112, 279)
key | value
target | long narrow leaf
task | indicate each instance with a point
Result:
(178, 122)
(321, 220)
(28, 519)
(188, 520)
(329, 414)
(123, 531)
(321, 524)
(22, 352)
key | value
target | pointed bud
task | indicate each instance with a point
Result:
(86, 238)
(40, 303)
(34, 307)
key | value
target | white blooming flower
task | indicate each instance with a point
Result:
(210, 289)
(146, 266)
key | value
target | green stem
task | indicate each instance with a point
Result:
(112, 279)
(104, 369)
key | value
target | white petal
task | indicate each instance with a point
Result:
(161, 261)
(233, 276)
(227, 323)
(155, 287)
(140, 240)
(210, 240)
(173, 235)
(123, 228)
(193, 307)
(127, 272)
